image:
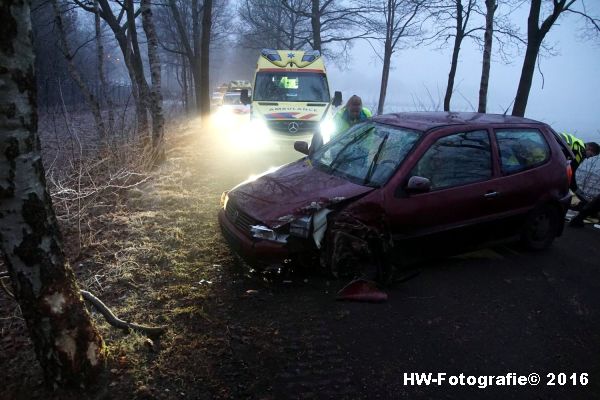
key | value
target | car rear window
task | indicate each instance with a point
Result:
(457, 159)
(521, 149)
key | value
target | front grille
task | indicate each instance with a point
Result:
(283, 126)
(239, 218)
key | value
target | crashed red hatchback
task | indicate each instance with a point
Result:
(399, 179)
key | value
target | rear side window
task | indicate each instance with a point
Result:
(457, 159)
(521, 149)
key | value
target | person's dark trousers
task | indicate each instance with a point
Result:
(590, 209)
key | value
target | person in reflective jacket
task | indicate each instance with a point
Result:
(581, 150)
(351, 114)
(346, 117)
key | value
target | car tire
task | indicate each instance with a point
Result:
(541, 227)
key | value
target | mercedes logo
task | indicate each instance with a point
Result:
(293, 127)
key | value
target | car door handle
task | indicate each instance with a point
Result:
(491, 195)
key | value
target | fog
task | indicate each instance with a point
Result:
(567, 97)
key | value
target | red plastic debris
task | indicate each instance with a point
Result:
(362, 290)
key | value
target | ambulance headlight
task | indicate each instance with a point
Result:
(258, 126)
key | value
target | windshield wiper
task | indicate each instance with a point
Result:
(332, 166)
(375, 159)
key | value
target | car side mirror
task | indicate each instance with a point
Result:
(301, 147)
(244, 98)
(418, 184)
(337, 99)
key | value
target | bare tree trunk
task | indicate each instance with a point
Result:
(138, 68)
(526, 78)
(385, 74)
(535, 37)
(315, 22)
(101, 76)
(491, 6)
(184, 79)
(455, 51)
(192, 52)
(204, 59)
(195, 61)
(91, 101)
(67, 345)
(156, 110)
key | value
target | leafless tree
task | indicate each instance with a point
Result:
(536, 34)
(333, 22)
(67, 344)
(204, 58)
(158, 120)
(491, 6)
(193, 24)
(394, 22)
(452, 19)
(89, 97)
(271, 24)
(124, 29)
(101, 70)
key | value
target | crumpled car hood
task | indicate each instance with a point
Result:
(293, 190)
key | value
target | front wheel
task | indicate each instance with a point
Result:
(541, 227)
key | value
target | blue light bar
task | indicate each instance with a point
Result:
(271, 55)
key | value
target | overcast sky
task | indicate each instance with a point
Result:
(569, 100)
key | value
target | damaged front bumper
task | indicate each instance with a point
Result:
(259, 253)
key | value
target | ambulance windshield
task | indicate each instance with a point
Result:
(291, 86)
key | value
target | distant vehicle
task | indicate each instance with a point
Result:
(232, 104)
(238, 85)
(401, 179)
(216, 99)
(291, 93)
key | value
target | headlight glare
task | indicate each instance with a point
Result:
(327, 128)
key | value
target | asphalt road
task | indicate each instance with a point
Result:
(493, 312)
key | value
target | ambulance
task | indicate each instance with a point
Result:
(291, 95)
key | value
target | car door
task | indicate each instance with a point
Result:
(460, 168)
(525, 171)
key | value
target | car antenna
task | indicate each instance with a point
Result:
(511, 103)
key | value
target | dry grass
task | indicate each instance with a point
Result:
(152, 252)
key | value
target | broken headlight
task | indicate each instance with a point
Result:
(262, 232)
(224, 199)
(300, 227)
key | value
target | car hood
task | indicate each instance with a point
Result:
(293, 190)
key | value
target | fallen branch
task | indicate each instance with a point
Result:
(151, 331)
(112, 319)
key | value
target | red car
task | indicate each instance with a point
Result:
(399, 181)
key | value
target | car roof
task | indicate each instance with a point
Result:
(424, 121)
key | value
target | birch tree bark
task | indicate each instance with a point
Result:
(158, 120)
(101, 76)
(67, 345)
